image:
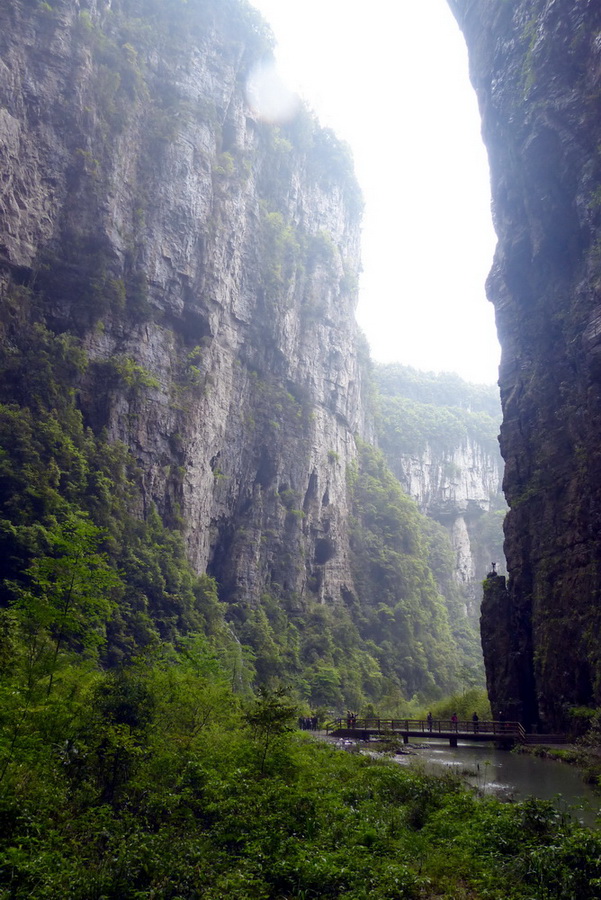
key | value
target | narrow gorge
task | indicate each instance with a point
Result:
(178, 284)
(182, 275)
(224, 528)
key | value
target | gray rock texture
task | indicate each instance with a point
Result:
(440, 437)
(456, 486)
(207, 259)
(536, 67)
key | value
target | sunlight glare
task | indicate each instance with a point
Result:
(269, 98)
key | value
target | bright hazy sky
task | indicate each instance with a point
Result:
(390, 77)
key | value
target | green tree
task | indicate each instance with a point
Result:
(70, 596)
(65, 606)
(271, 719)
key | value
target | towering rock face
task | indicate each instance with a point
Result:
(185, 270)
(207, 266)
(536, 67)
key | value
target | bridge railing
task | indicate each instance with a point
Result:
(435, 726)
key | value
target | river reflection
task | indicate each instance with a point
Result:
(512, 775)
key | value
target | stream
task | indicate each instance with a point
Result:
(511, 775)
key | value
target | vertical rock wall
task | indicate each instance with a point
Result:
(208, 261)
(536, 67)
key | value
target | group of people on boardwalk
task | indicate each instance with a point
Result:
(308, 723)
(455, 722)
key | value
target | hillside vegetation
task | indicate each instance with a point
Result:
(75, 552)
(420, 408)
(156, 782)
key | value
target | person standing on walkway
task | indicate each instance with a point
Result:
(454, 721)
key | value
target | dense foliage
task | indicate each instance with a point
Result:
(154, 781)
(108, 583)
(395, 639)
(66, 497)
(421, 640)
(420, 408)
(445, 389)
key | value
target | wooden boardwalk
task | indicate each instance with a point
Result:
(505, 733)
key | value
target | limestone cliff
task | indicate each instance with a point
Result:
(134, 169)
(456, 486)
(536, 67)
(193, 268)
(439, 434)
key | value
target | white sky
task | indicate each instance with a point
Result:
(391, 78)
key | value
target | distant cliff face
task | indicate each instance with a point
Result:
(208, 266)
(456, 487)
(536, 66)
(439, 434)
(456, 482)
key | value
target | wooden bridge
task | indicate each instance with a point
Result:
(505, 733)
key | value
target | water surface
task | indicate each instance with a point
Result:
(513, 775)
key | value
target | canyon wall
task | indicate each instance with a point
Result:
(457, 486)
(206, 264)
(183, 269)
(536, 68)
(440, 437)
